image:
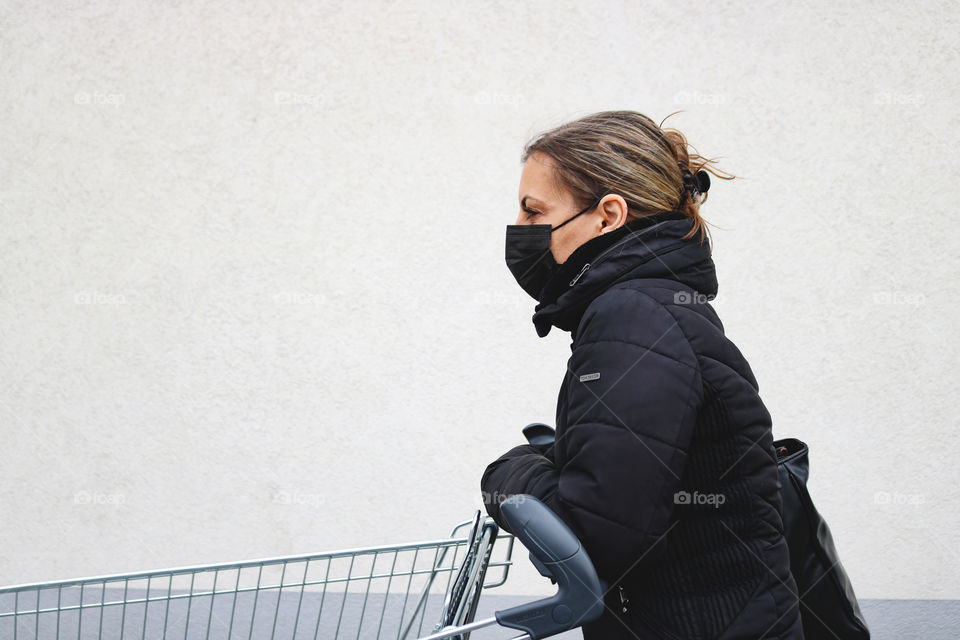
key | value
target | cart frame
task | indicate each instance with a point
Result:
(94, 607)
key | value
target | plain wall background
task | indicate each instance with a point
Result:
(252, 292)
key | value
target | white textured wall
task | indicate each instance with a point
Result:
(251, 262)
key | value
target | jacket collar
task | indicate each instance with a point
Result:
(649, 247)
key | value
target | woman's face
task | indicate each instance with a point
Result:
(542, 203)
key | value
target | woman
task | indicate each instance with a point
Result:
(663, 463)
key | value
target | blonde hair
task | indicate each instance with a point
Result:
(627, 153)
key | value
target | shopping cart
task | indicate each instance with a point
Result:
(376, 592)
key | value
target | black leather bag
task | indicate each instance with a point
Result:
(828, 606)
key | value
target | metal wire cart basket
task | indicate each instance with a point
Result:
(393, 591)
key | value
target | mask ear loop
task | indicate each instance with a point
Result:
(595, 203)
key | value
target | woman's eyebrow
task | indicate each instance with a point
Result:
(523, 201)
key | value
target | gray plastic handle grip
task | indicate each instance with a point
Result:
(538, 433)
(579, 598)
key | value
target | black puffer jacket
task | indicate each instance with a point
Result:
(663, 463)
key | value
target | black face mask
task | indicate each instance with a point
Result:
(528, 253)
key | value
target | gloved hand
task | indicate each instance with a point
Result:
(526, 469)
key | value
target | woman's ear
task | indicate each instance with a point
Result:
(613, 212)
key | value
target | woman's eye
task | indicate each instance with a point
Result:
(530, 213)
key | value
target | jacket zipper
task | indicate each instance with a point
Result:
(582, 271)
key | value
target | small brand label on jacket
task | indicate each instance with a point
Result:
(587, 377)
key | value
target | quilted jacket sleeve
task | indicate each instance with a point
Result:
(618, 459)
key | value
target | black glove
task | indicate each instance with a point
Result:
(524, 469)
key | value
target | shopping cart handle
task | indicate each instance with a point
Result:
(538, 433)
(579, 597)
